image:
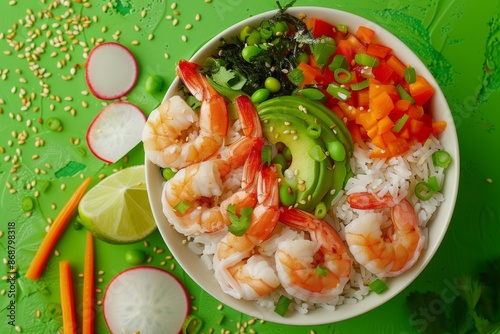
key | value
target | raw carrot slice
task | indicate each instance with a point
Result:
(67, 298)
(42, 256)
(88, 287)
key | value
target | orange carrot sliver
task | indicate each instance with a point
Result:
(88, 287)
(42, 256)
(67, 298)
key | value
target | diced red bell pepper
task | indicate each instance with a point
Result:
(382, 72)
(424, 133)
(321, 28)
(438, 127)
(396, 64)
(398, 146)
(346, 49)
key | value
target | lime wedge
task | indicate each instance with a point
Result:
(117, 209)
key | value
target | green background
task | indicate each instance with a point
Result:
(458, 40)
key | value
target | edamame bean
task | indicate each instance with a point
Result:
(254, 38)
(135, 256)
(260, 95)
(279, 28)
(288, 196)
(272, 84)
(303, 57)
(153, 84)
(336, 150)
(249, 52)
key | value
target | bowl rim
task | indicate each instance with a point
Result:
(443, 214)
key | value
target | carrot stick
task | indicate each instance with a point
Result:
(67, 298)
(42, 256)
(88, 287)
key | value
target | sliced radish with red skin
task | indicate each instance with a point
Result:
(111, 71)
(115, 131)
(145, 299)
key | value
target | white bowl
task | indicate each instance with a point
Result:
(192, 264)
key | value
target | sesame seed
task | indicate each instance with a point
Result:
(489, 180)
(197, 17)
(135, 42)
(184, 38)
(188, 26)
(56, 253)
(174, 22)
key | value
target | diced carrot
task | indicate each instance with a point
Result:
(393, 62)
(402, 105)
(88, 287)
(398, 146)
(377, 88)
(415, 112)
(377, 50)
(310, 73)
(421, 90)
(372, 132)
(42, 255)
(416, 125)
(389, 137)
(385, 124)
(381, 105)
(378, 141)
(366, 119)
(362, 98)
(438, 127)
(67, 298)
(405, 132)
(365, 34)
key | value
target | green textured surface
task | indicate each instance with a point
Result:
(458, 40)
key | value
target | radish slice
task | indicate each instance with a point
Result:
(111, 71)
(115, 131)
(145, 300)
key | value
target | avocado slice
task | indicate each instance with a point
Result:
(313, 175)
(332, 128)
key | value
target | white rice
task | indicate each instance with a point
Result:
(396, 176)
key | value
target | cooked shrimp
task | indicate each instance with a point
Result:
(314, 270)
(385, 253)
(241, 273)
(174, 136)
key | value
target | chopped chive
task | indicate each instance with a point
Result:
(339, 61)
(192, 325)
(366, 60)
(378, 286)
(410, 75)
(167, 173)
(400, 123)
(311, 93)
(320, 210)
(296, 76)
(423, 191)
(182, 207)
(341, 28)
(53, 124)
(441, 158)
(343, 80)
(338, 92)
(27, 204)
(360, 85)
(404, 95)
(219, 319)
(314, 131)
(321, 270)
(316, 153)
(282, 305)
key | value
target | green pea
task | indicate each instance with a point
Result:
(336, 150)
(303, 57)
(279, 159)
(250, 51)
(279, 28)
(153, 84)
(167, 173)
(135, 256)
(254, 38)
(260, 95)
(53, 124)
(272, 84)
(320, 210)
(28, 204)
(288, 196)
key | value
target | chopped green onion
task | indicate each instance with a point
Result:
(316, 153)
(323, 51)
(239, 224)
(287, 153)
(423, 191)
(400, 123)
(321, 270)
(410, 75)
(288, 196)
(366, 60)
(336, 150)
(339, 61)
(219, 319)
(53, 124)
(378, 286)
(27, 204)
(338, 72)
(167, 173)
(313, 131)
(341, 28)
(311, 93)
(296, 76)
(182, 207)
(320, 210)
(192, 325)
(267, 154)
(441, 158)
(433, 183)
(338, 92)
(404, 95)
(282, 305)
(279, 159)
(360, 85)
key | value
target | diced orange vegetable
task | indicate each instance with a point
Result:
(377, 50)
(359, 47)
(438, 127)
(356, 135)
(421, 90)
(416, 126)
(67, 298)
(88, 287)
(402, 105)
(350, 112)
(377, 88)
(415, 112)
(393, 62)
(389, 137)
(378, 141)
(365, 34)
(310, 73)
(381, 105)
(372, 132)
(398, 146)
(366, 120)
(385, 124)
(362, 98)
(42, 255)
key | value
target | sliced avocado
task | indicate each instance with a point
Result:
(313, 176)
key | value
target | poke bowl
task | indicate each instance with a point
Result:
(357, 296)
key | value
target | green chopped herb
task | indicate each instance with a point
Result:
(314, 131)
(182, 207)
(347, 76)
(239, 224)
(441, 158)
(400, 123)
(404, 95)
(282, 305)
(316, 153)
(360, 85)
(423, 191)
(366, 60)
(338, 92)
(339, 61)
(167, 173)
(410, 75)
(192, 325)
(321, 270)
(320, 211)
(296, 76)
(378, 286)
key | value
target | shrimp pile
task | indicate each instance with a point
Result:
(314, 267)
